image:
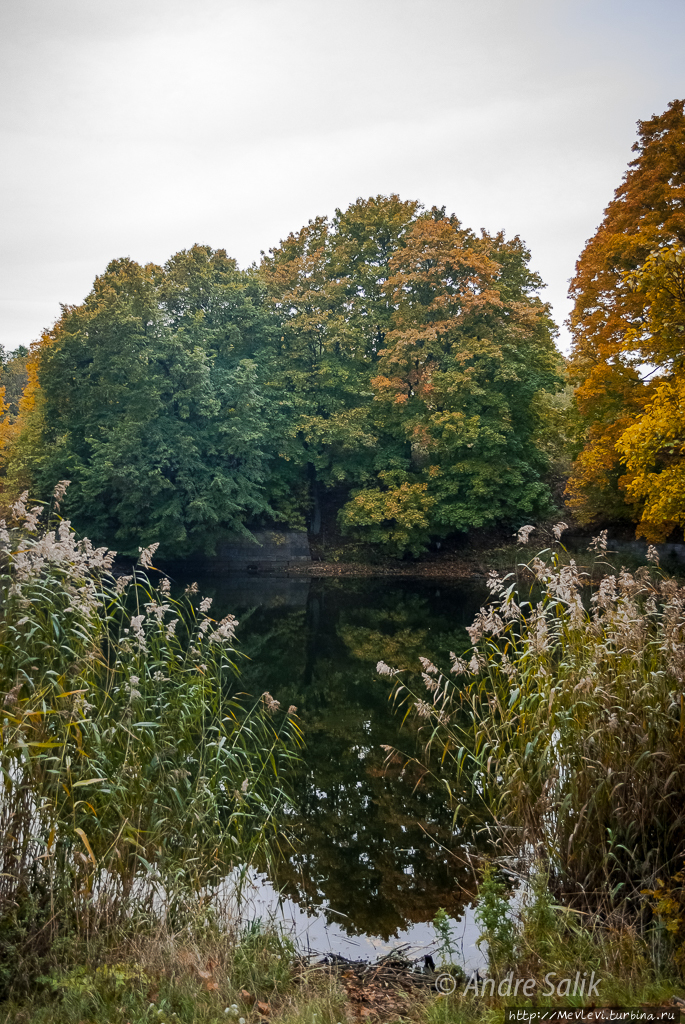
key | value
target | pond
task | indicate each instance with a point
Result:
(377, 854)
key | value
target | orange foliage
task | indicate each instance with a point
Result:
(19, 440)
(613, 387)
(5, 424)
(653, 447)
(442, 281)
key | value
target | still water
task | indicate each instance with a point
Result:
(377, 853)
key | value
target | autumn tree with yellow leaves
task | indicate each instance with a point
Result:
(623, 358)
(652, 449)
(19, 422)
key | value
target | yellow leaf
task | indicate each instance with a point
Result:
(84, 837)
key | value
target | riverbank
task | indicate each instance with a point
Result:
(284, 552)
(260, 978)
(476, 563)
(431, 568)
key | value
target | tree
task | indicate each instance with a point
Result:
(412, 355)
(653, 447)
(14, 377)
(326, 284)
(469, 348)
(387, 360)
(612, 364)
(152, 405)
(13, 380)
(21, 423)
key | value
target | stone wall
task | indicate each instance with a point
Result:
(675, 552)
(271, 549)
(637, 548)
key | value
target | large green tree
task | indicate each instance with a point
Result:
(415, 354)
(326, 284)
(151, 403)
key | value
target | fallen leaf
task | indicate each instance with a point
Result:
(264, 1009)
(247, 997)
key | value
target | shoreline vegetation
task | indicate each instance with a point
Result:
(477, 566)
(135, 777)
(477, 561)
(387, 380)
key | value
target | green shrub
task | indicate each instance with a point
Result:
(445, 948)
(493, 914)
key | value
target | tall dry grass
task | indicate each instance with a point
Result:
(565, 727)
(134, 776)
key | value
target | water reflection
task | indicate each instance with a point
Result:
(377, 851)
(314, 933)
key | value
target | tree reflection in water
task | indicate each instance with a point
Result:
(376, 839)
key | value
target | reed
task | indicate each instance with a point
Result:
(565, 726)
(134, 776)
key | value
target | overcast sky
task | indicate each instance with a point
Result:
(138, 127)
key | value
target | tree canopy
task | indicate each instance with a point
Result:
(652, 448)
(618, 358)
(386, 361)
(414, 351)
(151, 403)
